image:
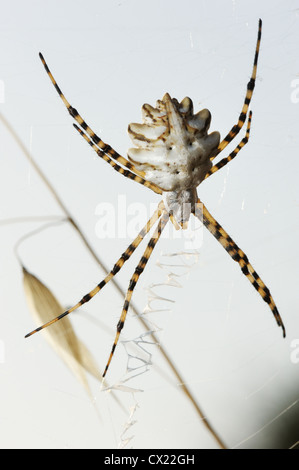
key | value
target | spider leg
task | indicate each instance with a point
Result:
(117, 267)
(134, 279)
(117, 167)
(96, 139)
(234, 153)
(239, 256)
(250, 87)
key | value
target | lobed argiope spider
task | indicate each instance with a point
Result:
(174, 155)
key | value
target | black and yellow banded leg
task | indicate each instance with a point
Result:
(97, 140)
(117, 267)
(250, 87)
(239, 256)
(134, 279)
(118, 168)
(234, 153)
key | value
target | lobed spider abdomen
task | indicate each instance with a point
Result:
(174, 152)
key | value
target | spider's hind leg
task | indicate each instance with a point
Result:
(250, 87)
(234, 153)
(74, 113)
(128, 174)
(239, 256)
(104, 148)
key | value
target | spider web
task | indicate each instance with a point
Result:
(139, 350)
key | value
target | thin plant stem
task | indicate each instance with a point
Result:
(74, 224)
(37, 218)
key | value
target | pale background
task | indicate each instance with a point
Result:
(109, 57)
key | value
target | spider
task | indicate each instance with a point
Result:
(174, 153)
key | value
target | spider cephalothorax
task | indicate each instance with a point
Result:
(174, 151)
(173, 155)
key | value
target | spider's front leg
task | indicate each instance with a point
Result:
(117, 267)
(134, 279)
(239, 256)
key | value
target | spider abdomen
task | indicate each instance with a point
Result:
(173, 147)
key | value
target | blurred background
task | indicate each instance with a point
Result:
(110, 57)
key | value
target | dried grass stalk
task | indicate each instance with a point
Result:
(61, 336)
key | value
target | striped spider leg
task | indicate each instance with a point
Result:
(105, 151)
(128, 174)
(173, 154)
(117, 267)
(250, 87)
(162, 216)
(239, 256)
(134, 279)
(234, 153)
